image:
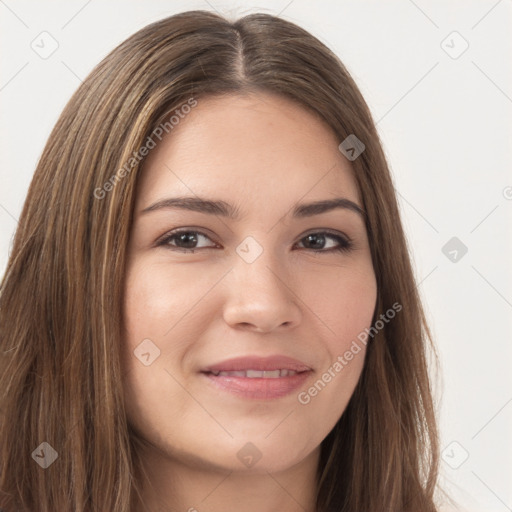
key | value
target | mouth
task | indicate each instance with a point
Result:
(256, 374)
(258, 384)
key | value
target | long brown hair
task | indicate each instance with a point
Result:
(61, 296)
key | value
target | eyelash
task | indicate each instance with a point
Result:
(345, 243)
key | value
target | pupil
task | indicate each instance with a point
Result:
(318, 238)
(188, 238)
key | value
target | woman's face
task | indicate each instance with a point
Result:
(268, 281)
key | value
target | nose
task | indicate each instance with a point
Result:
(262, 296)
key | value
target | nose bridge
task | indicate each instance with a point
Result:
(261, 289)
(257, 263)
(257, 258)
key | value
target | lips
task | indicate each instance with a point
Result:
(256, 377)
(257, 374)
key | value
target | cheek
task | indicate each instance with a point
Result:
(343, 303)
(153, 305)
(165, 306)
(343, 306)
(158, 299)
(145, 301)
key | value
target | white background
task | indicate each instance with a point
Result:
(445, 125)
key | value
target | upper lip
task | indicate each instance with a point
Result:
(277, 362)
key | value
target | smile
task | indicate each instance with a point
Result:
(257, 374)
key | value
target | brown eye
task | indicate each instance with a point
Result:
(184, 240)
(317, 242)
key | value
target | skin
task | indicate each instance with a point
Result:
(264, 154)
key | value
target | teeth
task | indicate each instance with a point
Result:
(257, 374)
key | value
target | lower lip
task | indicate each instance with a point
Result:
(259, 388)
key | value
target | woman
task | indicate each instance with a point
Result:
(178, 330)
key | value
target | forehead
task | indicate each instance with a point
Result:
(251, 147)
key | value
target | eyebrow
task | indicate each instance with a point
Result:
(224, 209)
